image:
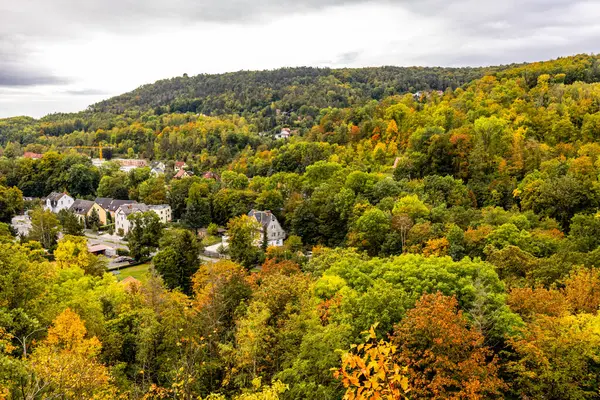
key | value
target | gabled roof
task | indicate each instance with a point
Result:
(181, 174)
(55, 196)
(211, 175)
(180, 164)
(81, 207)
(111, 204)
(263, 217)
(29, 154)
(129, 209)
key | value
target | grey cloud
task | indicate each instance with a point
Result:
(87, 92)
(15, 70)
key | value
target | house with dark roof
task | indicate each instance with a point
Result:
(267, 220)
(85, 208)
(56, 201)
(122, 223)
(111, 206)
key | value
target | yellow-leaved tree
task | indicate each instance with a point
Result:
(65, 363)
(370, 372)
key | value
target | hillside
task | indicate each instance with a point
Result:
(459, 228)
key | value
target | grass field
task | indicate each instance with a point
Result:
(138, 272)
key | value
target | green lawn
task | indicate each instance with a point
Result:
(138, 272)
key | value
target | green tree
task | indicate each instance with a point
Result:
(177, 260)
(197, 213)
(82, 180)
(44, 228)
(370, 231)
(11, 203)
(70, 223)
(244, 235)
(144, 235)
(153, 191)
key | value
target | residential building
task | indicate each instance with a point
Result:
(179, 165)
(163, 211)
(268, 221)
(58, 201)
(81, 208)
(129, 164)
(21, 224)
(123, 225)
(211, 175)
(284, 134)
(85, 208)
(158, 168)
(182, 174)
(110, 207)
(35, 156)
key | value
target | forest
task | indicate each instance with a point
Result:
(443, 238)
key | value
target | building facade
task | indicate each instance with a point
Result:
(56, 202)
(267, 220)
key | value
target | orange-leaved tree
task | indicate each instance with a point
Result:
(444, 356)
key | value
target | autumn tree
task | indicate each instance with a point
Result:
(371, 371)
(65, 363)
(444, 356)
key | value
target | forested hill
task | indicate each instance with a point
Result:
(290, 88)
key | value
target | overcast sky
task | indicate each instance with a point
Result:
(63, 55)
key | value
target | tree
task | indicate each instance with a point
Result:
(11, 203)
(244, 235)
(445, 358)
(93, 221)
(153, 191)
(178, 194)
(370, 231)
(144, 235)
(197, 213)
(44, 227)
(82, 180)
(219, 289)
(72, 251)
(70, 223)
(114, 187)
(556, 358)
(177, 259)
(66, 362)
(371, 371)
(411, 206)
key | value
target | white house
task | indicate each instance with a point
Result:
(284, 134)
(163, 211)
(58, 201)
(123, 225)
(268, 221)
(158, 168)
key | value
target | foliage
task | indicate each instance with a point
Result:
(373, 373)
(144, 235)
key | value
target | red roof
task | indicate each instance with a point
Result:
(180, 174)
(179, 163)
(29, 154)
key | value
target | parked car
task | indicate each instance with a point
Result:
(122, 259)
